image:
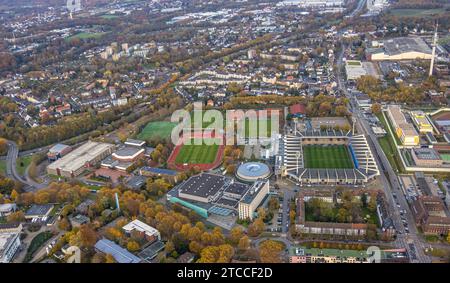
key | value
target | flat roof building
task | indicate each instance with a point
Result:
(39, 211)
(58, 151)
(9, 244)
(150, 233)
(74, 163)
(401, 48)
(422, 123)
(426, 157)
(128, 153)
(252, 199)
(120, 254)
(354, 69)
(404, 130)
(215, 194)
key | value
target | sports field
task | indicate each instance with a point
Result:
(197, 154)
(160, 129)
(262, 134)
(327, 156)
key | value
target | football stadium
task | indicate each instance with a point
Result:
(327, 157)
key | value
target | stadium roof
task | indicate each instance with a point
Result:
(120, 254)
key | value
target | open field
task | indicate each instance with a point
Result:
(197, 154)
(85, 35)
(109, 17)
(160, 129)
(416, 12)
(328, 156)
(267, 132)
(25, 161)
(387, 143)
(3, 167)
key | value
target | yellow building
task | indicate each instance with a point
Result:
(421, 122)
(404, 130)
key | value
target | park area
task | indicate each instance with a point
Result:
(350, 210)
(327, 156)
(161, 129)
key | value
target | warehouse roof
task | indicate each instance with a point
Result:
(80, 156)
(203, 185)
(401, 45)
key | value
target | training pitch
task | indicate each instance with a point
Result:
(197, 154)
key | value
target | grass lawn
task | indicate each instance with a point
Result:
(86, 35)
(197, 154)
(25, 161)
(416, 12)
(109, 17)
(387, 143)
(36, 243)
(329, 156)
(3, 167)
(267, 132)
(160, 129)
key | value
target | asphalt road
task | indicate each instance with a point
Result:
(11, 169)
(411, 241)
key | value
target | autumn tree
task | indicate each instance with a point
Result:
(87, 236)
(244, 243)
(110, 259)
(216, 254)
(133, 246)
(17, 216)
(270, 251)
(235, 235)
(376, 108)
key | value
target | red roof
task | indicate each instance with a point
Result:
(297, 109)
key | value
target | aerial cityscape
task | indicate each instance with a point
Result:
(225, 131)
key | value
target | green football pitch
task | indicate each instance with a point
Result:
(327, 156)
(160, 129)
(197, 154)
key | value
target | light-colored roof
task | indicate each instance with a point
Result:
(141, 227)
(80, 156)
(58, 148)
(120, 254)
